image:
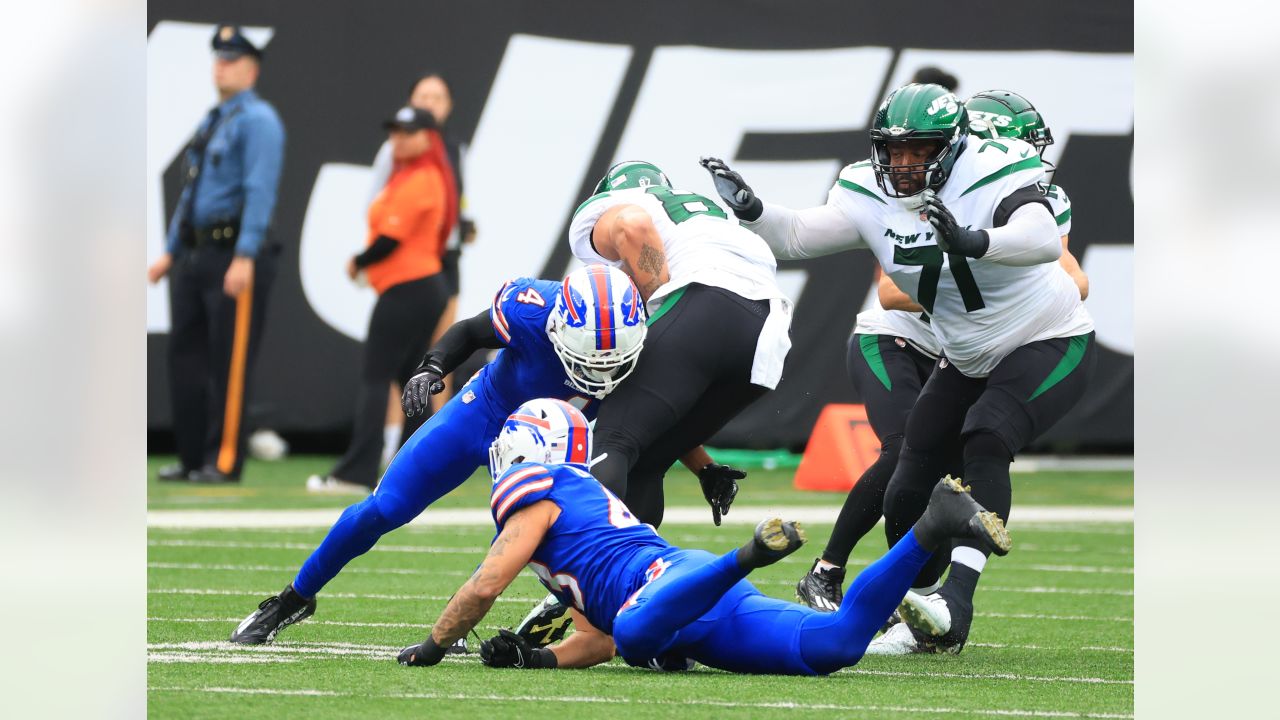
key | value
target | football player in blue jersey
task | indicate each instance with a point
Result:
(656, 605)
(574, 340)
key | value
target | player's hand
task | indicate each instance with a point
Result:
(509, 650)
(159, 268)
(424, 655)
(951, 237)
(719, 487)
(420, 388)
(735, 191)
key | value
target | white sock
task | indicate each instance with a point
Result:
(927, 590)
(390, 441)
(824, 565)
(969, 557)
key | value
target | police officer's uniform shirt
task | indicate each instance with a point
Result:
(239, 172)
(702, 246)
(594, 557)
(980, 310)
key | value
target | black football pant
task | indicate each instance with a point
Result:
(888, 373)
(213, 345)
(995, 417)
(400, 329)
(693, 376)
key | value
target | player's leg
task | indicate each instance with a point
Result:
(1029, 391)
(676, 596)
(888, 375)
(705, 335)
(438, 458)
(831, 641)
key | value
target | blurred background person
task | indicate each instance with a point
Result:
(429, 92)
(221, 265)
(409, 223)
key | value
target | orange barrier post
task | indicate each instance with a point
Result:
(841, 447)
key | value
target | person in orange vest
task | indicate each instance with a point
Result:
(409, 223)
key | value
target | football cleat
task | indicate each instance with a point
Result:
(547, 623)
(952, 512)
(821, 590)
(900, 639)
(173, 473)
(773, 540)
(273, 615)
(943, 618)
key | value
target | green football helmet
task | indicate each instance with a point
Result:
(918, 112)
(1000, 113)
(631, 174)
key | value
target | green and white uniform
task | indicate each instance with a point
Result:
(980, 309)
(702, 245)
(1061, 207)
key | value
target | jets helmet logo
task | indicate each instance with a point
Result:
(945, 104)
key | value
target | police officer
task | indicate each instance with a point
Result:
(220, 264)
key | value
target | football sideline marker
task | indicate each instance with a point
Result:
(806, 707)
(740, 515)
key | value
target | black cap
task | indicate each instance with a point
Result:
(411, 118)
(229, 43)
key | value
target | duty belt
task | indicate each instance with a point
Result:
(221, 235)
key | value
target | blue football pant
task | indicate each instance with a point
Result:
(439, 457)
(703, 608)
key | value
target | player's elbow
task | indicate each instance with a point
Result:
(487, 590)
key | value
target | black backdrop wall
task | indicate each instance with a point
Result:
(334, 70)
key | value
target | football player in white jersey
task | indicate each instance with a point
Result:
(961, 225)
(891, 355)
(718, 328)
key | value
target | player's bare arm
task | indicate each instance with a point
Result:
(626, 233)
(1072, 266)
(509, 553)
(587, 645)
(893, 298)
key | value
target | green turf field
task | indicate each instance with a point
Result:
(1054, 635)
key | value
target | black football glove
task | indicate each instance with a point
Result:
(735, 191)
(509, 650)
(719, 487)
(424, 655)
(417, 392)
(951, 237)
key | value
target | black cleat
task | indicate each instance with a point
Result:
(174, 472)
(273, 615)
(211, 475)
(952, 512)
(547, 623)
(941, 620)
(772, 541)
(821, 590)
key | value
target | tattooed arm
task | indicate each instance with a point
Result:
(626, 233)
(510, 552)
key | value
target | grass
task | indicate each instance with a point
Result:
(1054, 635)
(279, 485)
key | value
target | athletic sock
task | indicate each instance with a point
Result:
(969, 557)
(962, 582)
(824, 565)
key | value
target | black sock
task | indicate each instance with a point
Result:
(864, 505)
(962, 582)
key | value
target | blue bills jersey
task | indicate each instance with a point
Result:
(596, 554)
(527, 367)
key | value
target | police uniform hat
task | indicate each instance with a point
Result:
(229, 43)
(410, 118)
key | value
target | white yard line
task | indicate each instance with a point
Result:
(987, 676)
(338, 596)
(803, 706)
(741, 515)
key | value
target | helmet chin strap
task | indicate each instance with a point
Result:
(597, 460)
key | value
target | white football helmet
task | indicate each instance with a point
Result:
(547, 431)
(597, 328)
